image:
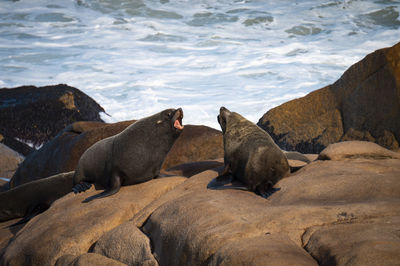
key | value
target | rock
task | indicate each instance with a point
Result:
(127, 244)
(269, 249)
(364, 104)
(9, 161)
(369, 242)
(191, 169)
(356, 149)
(196, 143)
(36, 114)
(87, 259)
(201, 226)
(61, 154)
(72, 227)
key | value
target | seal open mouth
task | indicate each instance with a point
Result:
(178, 119)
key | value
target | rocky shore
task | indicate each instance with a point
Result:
(343, 208)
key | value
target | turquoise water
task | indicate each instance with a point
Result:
(138, 57)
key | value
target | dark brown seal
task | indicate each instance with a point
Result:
(133, 156)
(250, 154)
(30, 199)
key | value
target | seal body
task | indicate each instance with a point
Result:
(133, 156)
(250, 154)
(32, 198)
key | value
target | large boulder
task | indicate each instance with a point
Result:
(61, 154)
(343, 210)
(364, 104)
(194, 225)
(37, 114)
(72, 227)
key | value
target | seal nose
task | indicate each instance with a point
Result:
(180, 111)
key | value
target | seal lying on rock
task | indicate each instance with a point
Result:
(30, 199)
(251, 156)
(133, 156)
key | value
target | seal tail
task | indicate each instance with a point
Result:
(81, 187)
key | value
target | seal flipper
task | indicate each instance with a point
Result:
(115, 185)
(224, 178)
(81, 187)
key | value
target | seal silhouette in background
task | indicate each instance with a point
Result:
(133, 156)
(250, 155)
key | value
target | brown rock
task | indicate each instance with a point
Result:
(196, 143)
(356, 149)
(198, 225)
(72, 227)
(364, 104)
(9, 161)
(269, 249)
(7, 233)
(61, 154)
(369, 242)
(88, 259)
(127, 244)
(191, 169)
(37, 114)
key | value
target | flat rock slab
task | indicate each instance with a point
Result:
(356, 149)
(72, 227)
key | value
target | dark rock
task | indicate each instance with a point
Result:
(364, 104)
(36, 114)
(18, 146)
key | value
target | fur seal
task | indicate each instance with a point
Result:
(250, 155)
(30, 199)
(133, 156)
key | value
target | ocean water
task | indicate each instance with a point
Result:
(137, 57)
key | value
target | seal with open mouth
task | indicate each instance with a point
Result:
(133, 156)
